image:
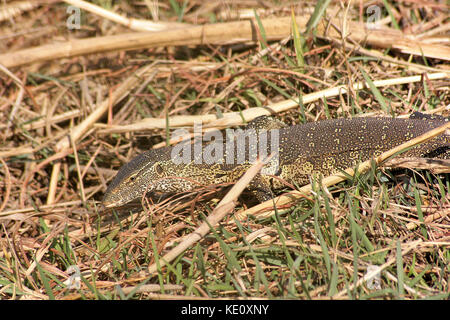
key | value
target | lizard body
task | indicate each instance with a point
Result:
(301, 150)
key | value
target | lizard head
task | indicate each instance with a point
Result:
(143, 174)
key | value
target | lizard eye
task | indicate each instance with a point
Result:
(159, 170)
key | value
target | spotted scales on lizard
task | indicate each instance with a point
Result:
(323, 147)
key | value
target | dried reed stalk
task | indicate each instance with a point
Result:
(436, 166)
(224, 33)
(235, 118)
(133, 24)
(225, 206)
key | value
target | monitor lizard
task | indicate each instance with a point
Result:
(323, 147)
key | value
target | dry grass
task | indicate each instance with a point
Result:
(77, 104)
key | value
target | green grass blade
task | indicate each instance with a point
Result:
(298, 45)
(259, 275)
(45, 281)
(391, 14)
(319, 11)
(323, 245)
(400, 273)
(263, 41)
(375, 91)
(158, 265)
(423, 229)
(175, 6)
(330, 219)
(333, 280)
(355, 244)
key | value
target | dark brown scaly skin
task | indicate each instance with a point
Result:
(320, 147)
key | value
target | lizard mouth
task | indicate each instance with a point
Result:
(110, 202)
